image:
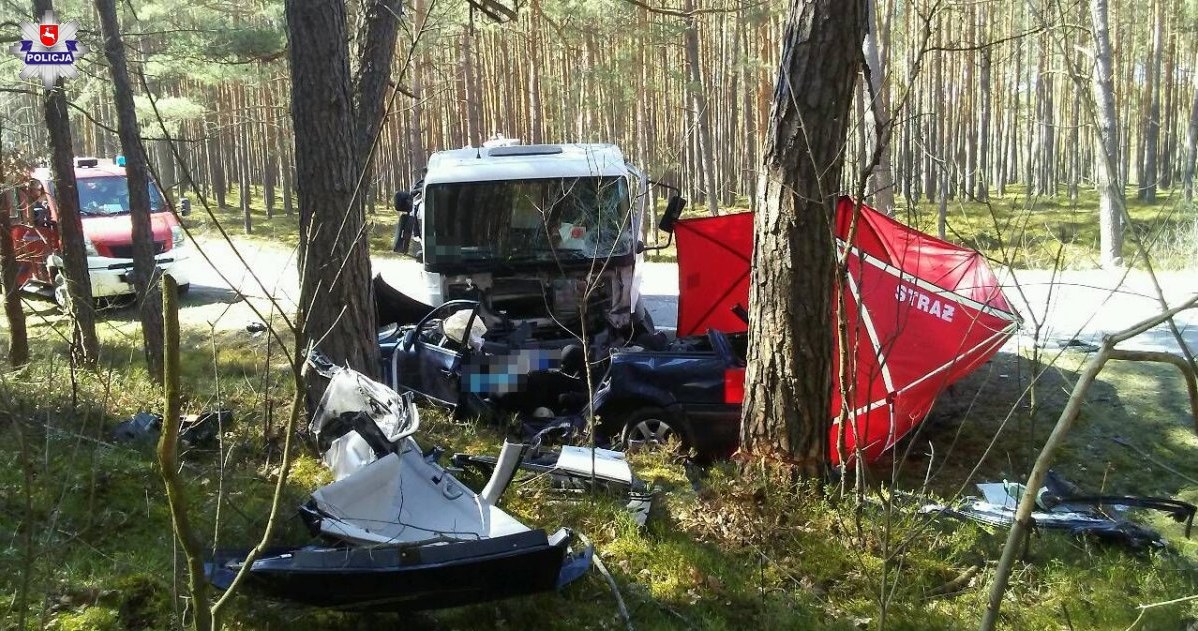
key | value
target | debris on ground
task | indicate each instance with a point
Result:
(407, 534)
(1060, 505)
(1079, 345)
(196, 431)
(142, 427)
(573, 469)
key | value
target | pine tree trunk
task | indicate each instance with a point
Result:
(1075, 162)
(1110, 188)
(269, 164)
(286, 168)
(70, 226)
(18, 338)
(701, 116)
(469, 90)
(787, 411)
(243, 162)
(216, 159)
(536, 127)
(1152, 131)
(374, 75)
(1168, 158)
(145, 272)
(336, 299)
(935, 123)
(1191, 155)
(983, 133)
(751, 139)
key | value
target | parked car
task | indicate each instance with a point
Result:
(107, 232)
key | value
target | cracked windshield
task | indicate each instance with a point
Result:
(529, 221)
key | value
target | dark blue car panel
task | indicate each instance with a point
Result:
(687, 383)
(667, 378)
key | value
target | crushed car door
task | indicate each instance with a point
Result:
(429, 359)
(438, 373)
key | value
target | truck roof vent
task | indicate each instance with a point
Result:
(525, 150)
(86, 163)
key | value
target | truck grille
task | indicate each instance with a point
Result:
(126, 251)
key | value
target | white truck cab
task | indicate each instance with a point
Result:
(544, 235)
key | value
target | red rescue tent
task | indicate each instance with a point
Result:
(922, 313)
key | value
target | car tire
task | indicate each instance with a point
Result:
(653, 428)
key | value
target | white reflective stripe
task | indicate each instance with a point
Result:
(907, 277)
(996, 337)
(867, 320)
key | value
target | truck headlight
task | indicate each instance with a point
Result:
(89, 247)
(177, 236)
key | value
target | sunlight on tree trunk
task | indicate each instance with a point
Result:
(1191, 156)
(78, 299)
(882, 179)
(1110, 186)
(145, 272)
(701, 116)
(336, 291)
(18, 338)
(78, 302)
(787, 411)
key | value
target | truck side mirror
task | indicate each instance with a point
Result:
(673, 211)
(184, 207)
(403, 202)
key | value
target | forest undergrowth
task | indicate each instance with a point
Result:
(89, 545)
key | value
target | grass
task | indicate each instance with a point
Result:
(744, 550)
(281, 228)
(1029, 231)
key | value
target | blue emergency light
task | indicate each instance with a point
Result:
(119, 160)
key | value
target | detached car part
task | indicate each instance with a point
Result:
(1061, 506)
(405, 533)
(570, 469)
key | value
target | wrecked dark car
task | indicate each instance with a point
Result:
(452, 359)
(921, 314)
(688, 390)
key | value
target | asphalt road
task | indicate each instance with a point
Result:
(1082, 305)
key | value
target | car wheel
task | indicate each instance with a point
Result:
(62, 297)
(653, 428)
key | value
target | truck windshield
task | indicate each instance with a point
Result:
(110, 196)
(552, 220)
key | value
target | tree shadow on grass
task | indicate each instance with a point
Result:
(985, 421)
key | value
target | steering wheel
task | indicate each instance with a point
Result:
(432, 322)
